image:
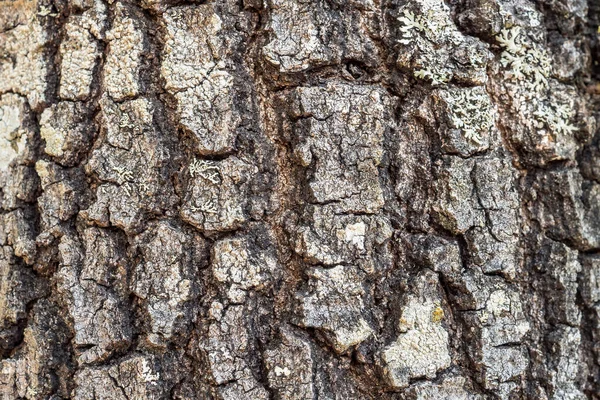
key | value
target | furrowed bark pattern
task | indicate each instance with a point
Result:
(299, 199)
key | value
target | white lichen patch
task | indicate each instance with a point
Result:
(556, 117)
(282, 371)
(12, 138)
(421, 348)
(525, 61)
(205, 169)
(148, 373)
(411, 25)
(427, 31)
(215, 199)
(470, 111)
(546, 109)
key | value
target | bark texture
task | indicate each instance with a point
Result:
(299, 199)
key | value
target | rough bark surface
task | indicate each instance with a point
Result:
(299, 199)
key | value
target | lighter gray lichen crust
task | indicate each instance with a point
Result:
(13, 138)
(421, 348)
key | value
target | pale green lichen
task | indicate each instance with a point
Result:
(423, 32)
(556, 117)
(470, 111)
(410, 24)
(435, 50)
(436, 76)
(208, 207)
(206, 170)
(525, 62)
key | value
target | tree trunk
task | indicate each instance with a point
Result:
(299, 199)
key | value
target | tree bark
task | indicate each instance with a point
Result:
(299, 199)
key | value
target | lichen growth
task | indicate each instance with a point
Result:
(470, 112)
(435, 75)
(205, 169)
(437, 315)
(556, 117)
(525, 62)
(411, 23)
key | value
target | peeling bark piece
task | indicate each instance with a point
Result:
(98, 307)
(329, 239)
(18, 287)
(123, 62)
(136, 377)
(301, 36)
(333, 303)
(339, 133)
(566, 208)
(26, 73)
(197, 72)
(567, 369)
(20, 232)
(242, 265)
(80, 52)
(456, 208)
(66, 129)
(421, 348)
(451, 388)
(560, 268)
(290, 367)
(227, 346)
(435, 50)
(35, 371)
(167, 280)
(217, 200)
